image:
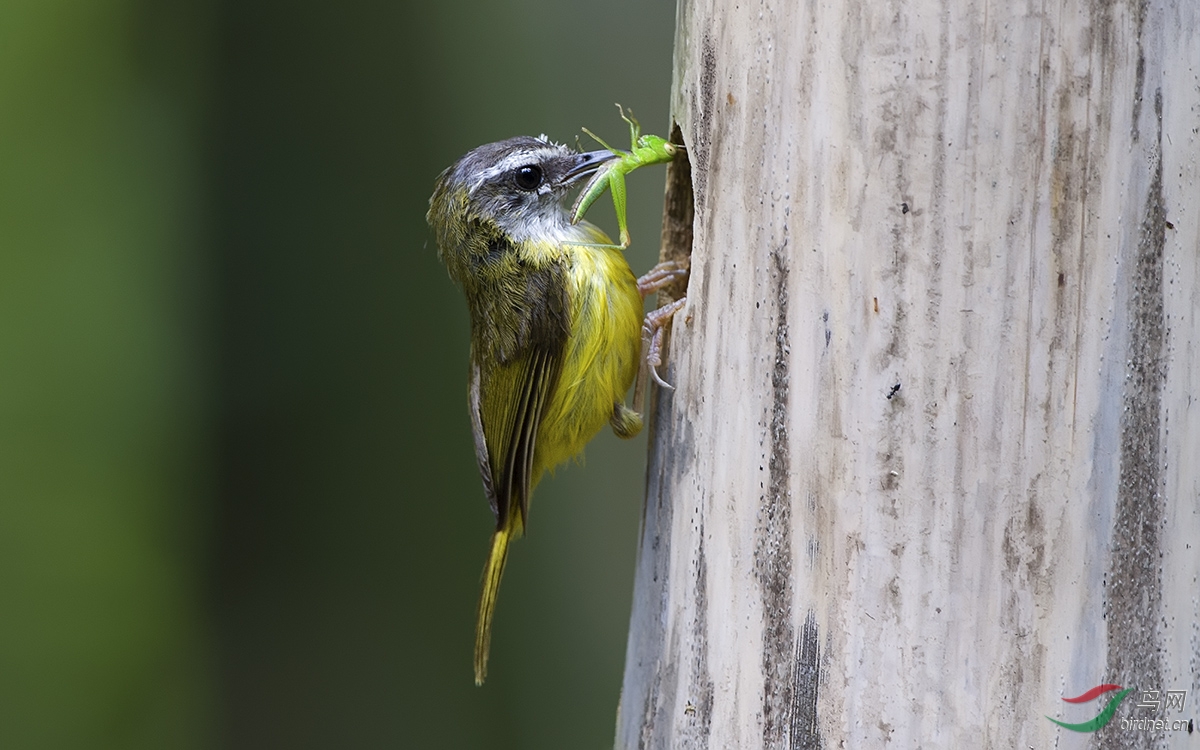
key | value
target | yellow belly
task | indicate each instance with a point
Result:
(601, 357)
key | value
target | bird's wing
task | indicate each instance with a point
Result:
(507, 403)
(481, 447)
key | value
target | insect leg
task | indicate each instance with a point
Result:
(616, 185)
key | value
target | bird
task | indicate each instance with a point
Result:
(556, 326)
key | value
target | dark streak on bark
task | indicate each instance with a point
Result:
(1139, 82)
(1133, 602)
(702, 684)
(773, 549)
(805, 734)
(702, 115)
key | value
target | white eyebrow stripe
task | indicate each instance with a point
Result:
(512, 161)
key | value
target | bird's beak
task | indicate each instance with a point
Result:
(587, 163)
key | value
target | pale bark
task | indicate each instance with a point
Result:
(932, 462)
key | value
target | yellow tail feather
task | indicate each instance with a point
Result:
(487, 601)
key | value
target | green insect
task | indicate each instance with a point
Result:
(644, 151)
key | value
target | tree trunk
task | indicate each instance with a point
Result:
(931, 464)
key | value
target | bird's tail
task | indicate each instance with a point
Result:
(487, 598)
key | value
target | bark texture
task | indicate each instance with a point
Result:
(932, 463)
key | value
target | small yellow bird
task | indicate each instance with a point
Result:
(556, 319)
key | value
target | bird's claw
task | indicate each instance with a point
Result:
(654, 334)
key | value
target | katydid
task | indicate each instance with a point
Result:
(644, 151)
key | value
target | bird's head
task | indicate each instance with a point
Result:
(515, 187)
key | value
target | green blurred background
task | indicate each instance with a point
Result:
(238, 503)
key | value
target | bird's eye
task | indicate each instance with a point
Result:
(528, 177)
